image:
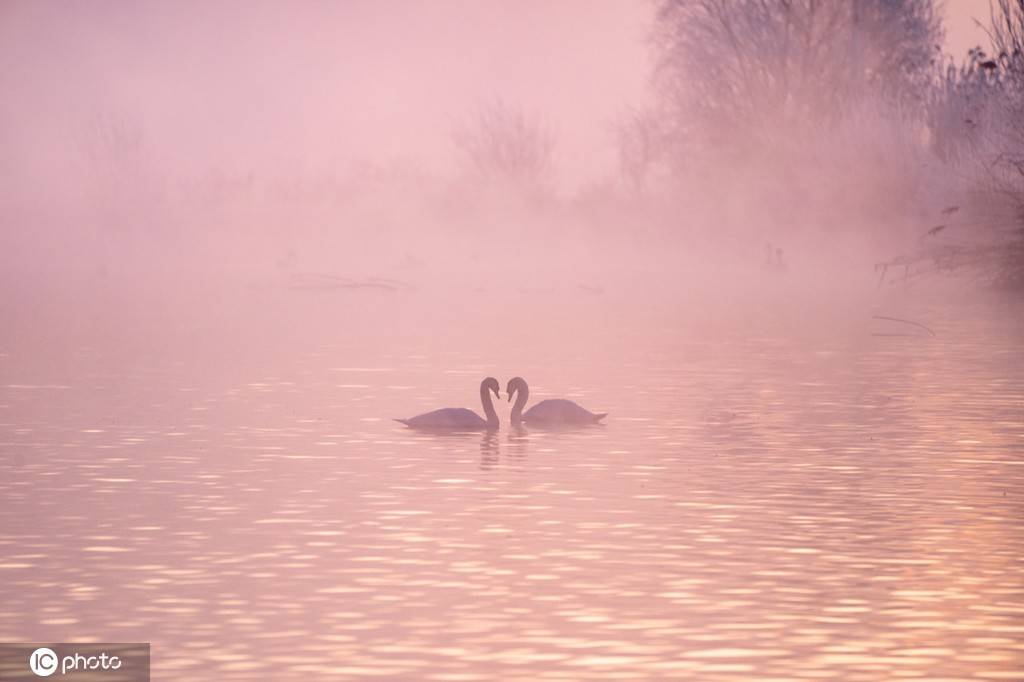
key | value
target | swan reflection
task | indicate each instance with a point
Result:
(490, 451)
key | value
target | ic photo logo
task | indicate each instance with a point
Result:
(43, 662)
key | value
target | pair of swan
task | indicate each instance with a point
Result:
(547, 413)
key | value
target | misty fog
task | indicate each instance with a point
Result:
(769, 257)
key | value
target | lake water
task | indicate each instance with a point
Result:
(785, 488)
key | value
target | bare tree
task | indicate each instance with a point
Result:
(112, 147)
(507, 146)
(121, 178)
(743, 67)
(640, 142)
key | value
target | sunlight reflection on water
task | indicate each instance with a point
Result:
(763, 506)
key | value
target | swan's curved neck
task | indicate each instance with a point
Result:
(489, 413)
(522, 395)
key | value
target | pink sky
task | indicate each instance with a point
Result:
(962, 32)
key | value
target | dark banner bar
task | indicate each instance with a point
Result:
(79, 662)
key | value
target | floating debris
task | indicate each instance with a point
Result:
(900, 319)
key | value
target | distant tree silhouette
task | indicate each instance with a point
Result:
(507, 147)
(640, 142)
(745, 69)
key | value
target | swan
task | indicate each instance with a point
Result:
(459, 418)
(557, 412)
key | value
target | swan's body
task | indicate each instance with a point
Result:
(446, 418)
(554, 412)
(560, 410)
(460, 418)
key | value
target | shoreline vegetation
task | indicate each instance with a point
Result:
(776, 134)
